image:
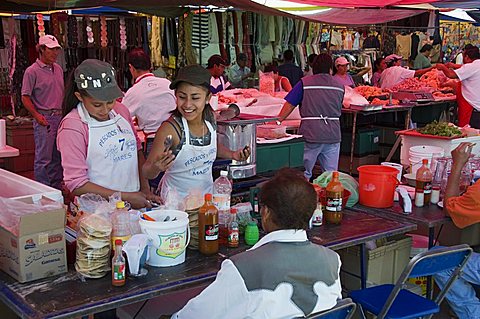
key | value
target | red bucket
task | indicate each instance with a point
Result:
(377, 185)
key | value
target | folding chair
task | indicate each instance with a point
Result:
(344, 309)
(394, 301)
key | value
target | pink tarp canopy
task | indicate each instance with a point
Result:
(360, 3)
(344, 16)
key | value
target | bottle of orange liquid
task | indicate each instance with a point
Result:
(118, 265)
(334, 193)
(423, 189)
(208, 227)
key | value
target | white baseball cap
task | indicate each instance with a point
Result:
(341, 61)
(49, 41)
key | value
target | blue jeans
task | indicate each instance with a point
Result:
(47, 166)
(461, 296)
(326, 154)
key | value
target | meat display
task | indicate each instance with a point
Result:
(412, 84)
(368, 91)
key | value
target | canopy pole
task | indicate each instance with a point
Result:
(200, 35)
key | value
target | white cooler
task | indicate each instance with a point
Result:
(15, 186)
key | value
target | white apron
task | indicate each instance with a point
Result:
(112, 152)
(192, 168)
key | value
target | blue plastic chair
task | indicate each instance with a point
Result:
(394, 301)
(344, 309)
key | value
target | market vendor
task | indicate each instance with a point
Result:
(100, 149)
(188, 162)
(149, 99)
(282, 84)
(240, 72)
(464, 209)
(378, 67)
(42, 94)
(395, 73)
(216, 66)
(468, 95)
(320, 97)
(253, 285)
(422, 60)
(341, 72)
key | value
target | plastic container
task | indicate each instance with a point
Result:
(377, 185)
(419, 245)
(120, 224)
(252, 234)
(397, 166)
(169, 239)
(222, 190)
(384, 263)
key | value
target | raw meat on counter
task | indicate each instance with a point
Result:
(376, 101)
(412, 84)
(271, 132)
(434, 78)
(226, 100)
(368, 91)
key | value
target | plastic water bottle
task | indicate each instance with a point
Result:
(121, 224)
(222, 189)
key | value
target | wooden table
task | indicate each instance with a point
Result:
(66, 296)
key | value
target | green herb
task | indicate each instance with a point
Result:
(440, 129)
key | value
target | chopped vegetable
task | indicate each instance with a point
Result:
(440, 129)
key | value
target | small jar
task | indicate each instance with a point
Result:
(252, 233)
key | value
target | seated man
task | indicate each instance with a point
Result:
(283, 275)
(464, 211)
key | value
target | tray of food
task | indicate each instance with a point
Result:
(438, 130)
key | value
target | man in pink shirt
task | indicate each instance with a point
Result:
(42, 96)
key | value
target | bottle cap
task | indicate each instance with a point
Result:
(233, 210)
(425, 161)
(223, 173)
(118, 242)
(208, 197)
(120, 204)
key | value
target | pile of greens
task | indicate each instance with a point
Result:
(440, 129)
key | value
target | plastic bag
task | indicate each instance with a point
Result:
(13, 210)
(266, 82)
(243, 215)
(352, 97)
(94, 235)
(347, 181)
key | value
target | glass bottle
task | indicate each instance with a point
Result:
(334, 193)
(118, 265)
(208, 227)
(423, 189)
(233, 230)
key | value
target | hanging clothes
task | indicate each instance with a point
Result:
(415, 46)
(389, 44)
(404, 44)
(356, 41)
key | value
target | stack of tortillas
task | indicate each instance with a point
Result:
(93, 246)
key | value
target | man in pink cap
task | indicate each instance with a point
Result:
(42, 96)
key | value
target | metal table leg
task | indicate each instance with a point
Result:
(363, 266)
(431, 238)
(352, 146)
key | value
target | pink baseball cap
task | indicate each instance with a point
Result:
(341, 61)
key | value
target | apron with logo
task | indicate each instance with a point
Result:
(112, 152)
(192, 168)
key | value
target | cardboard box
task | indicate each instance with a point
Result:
(39, 249)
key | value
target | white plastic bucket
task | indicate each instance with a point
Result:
(399, 167)
(420, 152)
(169, 239)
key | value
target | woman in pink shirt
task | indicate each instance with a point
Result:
(100, 149)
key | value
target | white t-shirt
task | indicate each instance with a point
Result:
(469, 74)
(151, 101)
(394, 75)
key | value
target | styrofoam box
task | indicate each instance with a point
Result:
(14, 186)
(448, 145)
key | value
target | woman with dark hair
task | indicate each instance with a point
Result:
(378, 66)
(268, 281)
(422, 60)
(185, 145)
(282, 84)
(100, 149)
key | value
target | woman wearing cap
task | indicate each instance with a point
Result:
(282, 84)
(100, 149)
(187, 161)
(395, 73)
(341, 74)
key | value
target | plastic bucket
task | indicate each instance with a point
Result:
(377, 185)
(417, 153)
(169, 239)
(397, 166)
